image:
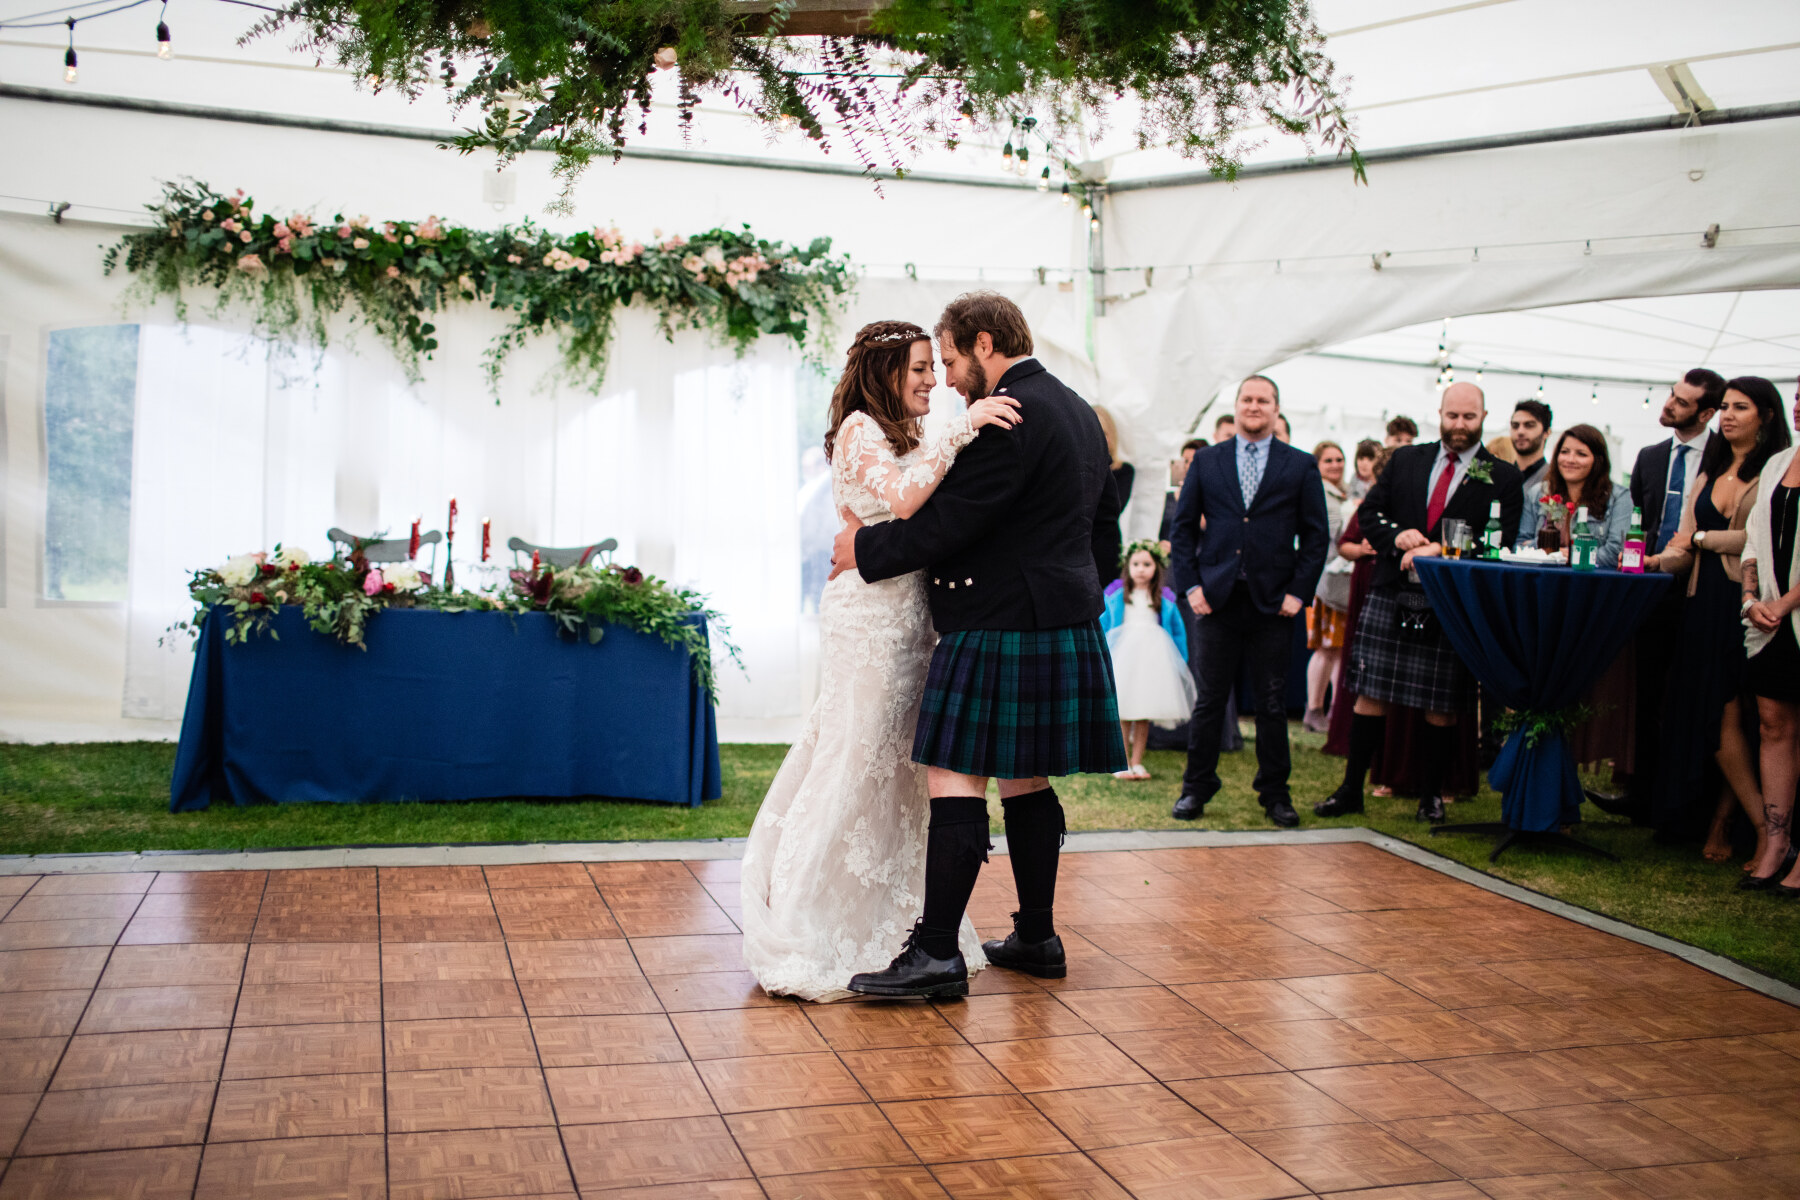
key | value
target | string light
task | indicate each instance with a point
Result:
(1024, 157)
(69, 55)
(1044, 180)
(1540, 391)
(1594, 397)
(1648, 388)
(164, 50)
(1006, 156)
(1065, 193)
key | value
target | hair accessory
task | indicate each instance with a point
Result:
(1149, 546)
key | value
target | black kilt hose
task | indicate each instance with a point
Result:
(1398, 666)
(1018, 704)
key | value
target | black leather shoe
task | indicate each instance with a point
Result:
(1044, 959)
(1617, 805)
(1282, 813)
(1764, 883)
(1431, 809)
(1189, 808)
(916, 973)
(1339, 804)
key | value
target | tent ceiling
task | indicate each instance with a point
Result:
(1419, 71)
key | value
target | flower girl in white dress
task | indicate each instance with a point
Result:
(1148, 640)
(834, 869)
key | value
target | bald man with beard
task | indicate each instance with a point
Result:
(1401, 654)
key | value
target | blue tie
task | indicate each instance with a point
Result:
(1250, 472)
(1671, 517)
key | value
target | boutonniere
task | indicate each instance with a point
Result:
(1480, 470)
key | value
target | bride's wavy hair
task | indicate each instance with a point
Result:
(873, 382)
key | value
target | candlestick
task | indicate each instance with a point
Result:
(412, 547)
(450, 531)
(534, 562)
(486, 537)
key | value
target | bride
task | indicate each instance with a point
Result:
(835, 864)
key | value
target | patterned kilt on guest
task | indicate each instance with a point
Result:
(1419, 670)
(1017, 704)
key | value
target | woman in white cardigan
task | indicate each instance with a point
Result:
(1771, 610)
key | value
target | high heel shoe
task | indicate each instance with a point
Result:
(1764, 883)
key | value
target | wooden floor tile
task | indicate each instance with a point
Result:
(44, 935)
(523, 930)
(740, 1033)
(1215, 1167)
(1101, 1117)
(538, 875)
(1456, 1190)
(215, 882)
(866, 1183)
(66, 908)
(1276, 1100)
(51, 970)
(1552, 1026)
(484, 928)
(313, 963)
(710, 1189)
(135, 882)
(443, 962)
(975, 1127)
(267, 1051)
(1727, 1064)
(711, 989)
(1467, 986)
(219, 964)
(162, 931)
(1196, 1055)
(308, 1003)
(588, 997)
(1340, 1157)
(1013, 1016)
(603, 1040)
(16, 885)
(1428, 1035)
(1044, 1064)
(176, 1006)
(1393, 1091)
(466, 1098)
(1481, 1144)
(1740, 1180)
(1749, 1123)
(460, 1042)
(1249, 1001)
(881, 1026)
(16, 1109)
(482, 1162)
(776, 1082)
(1063, 1176)
(651, 1153)
(117, 1118)
(330, 927)
(687, 955)
(1359, 995)
(114, 1175)
(1616, 1136)
(434, 1001)
(1125, 1010)
(330, 879)
(323, 1168)
(162, 1056)
(926, 1073)
(26, 1064)
(436, 903)
(656, 922)
(793, 1141)
(1299, 1045)
(297, 1106)
(1518, 1081)
(41, 1014)
(628, 1092)
(593, 958)
(431, 879)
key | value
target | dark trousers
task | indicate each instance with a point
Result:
(1651, 643)
(1237, 634)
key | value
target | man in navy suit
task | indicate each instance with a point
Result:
(1250, 537)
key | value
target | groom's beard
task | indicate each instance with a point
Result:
(975, 376)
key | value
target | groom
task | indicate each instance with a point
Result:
(1021, 684)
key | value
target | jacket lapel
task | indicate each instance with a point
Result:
(1231, 484)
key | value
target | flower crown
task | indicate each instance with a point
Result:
(1149, 546)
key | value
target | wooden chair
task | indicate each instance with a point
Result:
(564, 556)
(386, 550)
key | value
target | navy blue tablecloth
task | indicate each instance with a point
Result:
(1537, 638)
(442, 706)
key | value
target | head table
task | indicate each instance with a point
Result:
(442, 706)
(1537, 637)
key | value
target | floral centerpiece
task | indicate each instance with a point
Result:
(1556, 513)
(341, 595)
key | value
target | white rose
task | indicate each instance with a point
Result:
(404, 577)
(715, 258)
(292, 556)
(240, 569)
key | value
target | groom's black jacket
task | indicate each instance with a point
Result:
(1008, 539)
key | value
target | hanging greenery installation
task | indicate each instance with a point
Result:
(292, 274)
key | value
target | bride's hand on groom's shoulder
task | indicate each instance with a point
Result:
(994, 410)
(843, 549)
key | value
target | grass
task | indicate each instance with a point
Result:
(79, 798)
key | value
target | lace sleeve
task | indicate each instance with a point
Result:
(902, 486)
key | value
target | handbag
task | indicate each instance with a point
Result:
(1334, 585)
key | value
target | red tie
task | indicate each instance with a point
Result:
(1440, 495)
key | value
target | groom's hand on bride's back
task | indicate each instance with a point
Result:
(843, 549)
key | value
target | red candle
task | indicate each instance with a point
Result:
(451, 531)
(412, 548)
(486, 538)
(534, 562)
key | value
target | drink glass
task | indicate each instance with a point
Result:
(1456, 538)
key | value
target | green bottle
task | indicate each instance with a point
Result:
(1492, 538)
(1581, 554)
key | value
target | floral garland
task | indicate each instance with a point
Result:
(294, 273)
(340, 596)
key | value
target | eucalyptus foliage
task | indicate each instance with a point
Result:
(291, 275)
(574, 75)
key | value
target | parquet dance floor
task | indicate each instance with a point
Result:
(1240, 1024)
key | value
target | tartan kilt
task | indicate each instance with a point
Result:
(1016, 704)
(1419, 673)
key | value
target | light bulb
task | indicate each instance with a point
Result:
(164, 50)
(784, 123)
(1006, 156)
(1065, 195)
(1044, 180)
(69, 66)
(1094, 224)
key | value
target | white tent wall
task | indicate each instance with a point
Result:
(1282, 264)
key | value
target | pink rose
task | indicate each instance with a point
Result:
(281, 230)
(373, 582)
(286, 244)
(245, 236)
(361, 243)
(251, 264)
(393, 272)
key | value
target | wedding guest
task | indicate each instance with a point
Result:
(1231, 740)
(1262, 549)
(1177, 474)
(1402, 431)
(1328, 615)
(1283, 431)
(1530, 429)
(1223, 428)
(1402, 654)
(1108, 541)
(1582, 477)
(1701, 715)
(1148, 642)
(1661, 480)
(1771, 570)
(1368, 455)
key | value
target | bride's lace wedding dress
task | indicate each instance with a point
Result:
(834, 870)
